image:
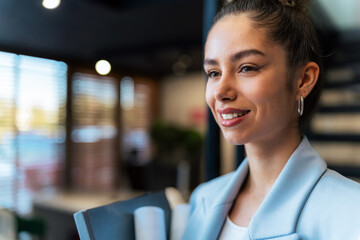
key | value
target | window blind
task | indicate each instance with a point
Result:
(94, 132)
(32, 128)
(138, 100)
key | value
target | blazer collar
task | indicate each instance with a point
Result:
(219, 208)
(278, 214)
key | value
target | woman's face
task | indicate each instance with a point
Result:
(247, 87)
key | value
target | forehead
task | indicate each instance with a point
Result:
(235, 33)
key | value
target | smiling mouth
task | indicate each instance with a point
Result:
(230, 116)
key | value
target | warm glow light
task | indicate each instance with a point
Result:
(51, 4)
(102, 67)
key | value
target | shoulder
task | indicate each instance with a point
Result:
(333, 208)
(210, 190)
(212, 187)
(337, 195)
(340, 188)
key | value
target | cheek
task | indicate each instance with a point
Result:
(267, 95)
(275, 102)
(270, 98)
(259, 93)
(209, 95)
(271, 88)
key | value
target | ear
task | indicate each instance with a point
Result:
(308, 77)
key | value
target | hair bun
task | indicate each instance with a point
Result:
(288, 3)
(296, 4)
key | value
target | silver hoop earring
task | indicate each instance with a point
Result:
(300, 107)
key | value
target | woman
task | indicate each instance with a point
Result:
(262, 64)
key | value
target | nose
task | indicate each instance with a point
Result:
(225, 89)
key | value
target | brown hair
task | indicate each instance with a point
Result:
(288, 24)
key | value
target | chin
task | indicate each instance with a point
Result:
(234, 139)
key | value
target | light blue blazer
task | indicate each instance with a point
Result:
(307, 201)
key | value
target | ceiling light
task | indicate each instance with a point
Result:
(103, 67)
(51, 4)
(179, 68)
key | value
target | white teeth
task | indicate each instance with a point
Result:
(231, 115)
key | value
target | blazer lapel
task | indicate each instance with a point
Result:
(220, 207)
(278, 214)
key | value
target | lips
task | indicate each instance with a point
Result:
(230, 116)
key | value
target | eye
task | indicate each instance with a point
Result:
(213, 74)
(246, 69)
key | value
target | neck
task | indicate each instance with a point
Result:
(267, 159)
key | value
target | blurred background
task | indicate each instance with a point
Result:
(73, 136)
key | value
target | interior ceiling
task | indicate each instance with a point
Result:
(146, 36)
(136, 35)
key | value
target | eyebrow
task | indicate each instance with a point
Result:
(236, 56)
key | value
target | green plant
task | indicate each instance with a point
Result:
(174, 143)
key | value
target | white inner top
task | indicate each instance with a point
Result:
(232, 231)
